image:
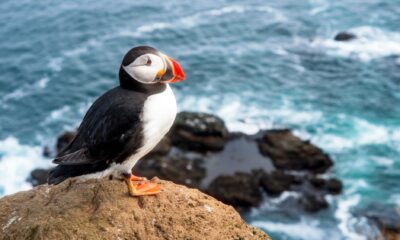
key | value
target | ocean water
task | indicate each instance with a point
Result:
(258, 64)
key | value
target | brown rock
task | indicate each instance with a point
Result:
(289, 152)
(102, 209)
(199, 132)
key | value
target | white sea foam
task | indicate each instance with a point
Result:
(200, 18)
(26, 90)
(370, 43)
(76, 51)
(395, 199)
(383, 161)
(16, 163)
(346, 220)
(273, 203)
(362, 133)
(55, 64)
(250, 118)
(42, 83)
(304, 229)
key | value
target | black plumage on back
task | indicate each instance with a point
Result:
(110, 132)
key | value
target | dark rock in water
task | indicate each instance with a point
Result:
(313, 202)
(162, 148)
(200, 152)
(332, 186)
(289, 152)
(64, 139)
(38, 176)
(199, 132)
(46, 151)
(386, 219)
(344, 36)
(178, 169)
(277, 182)
(241, 189)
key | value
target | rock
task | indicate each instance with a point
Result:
(344, 36)
(387, 220)
(277, 182)
(178, 169)
(46, 151)
(199, 132)
(313, 202)
(332, 186)
(241, 189)
(38, 176)
(102, 209)
(289, 152)
(64, 139)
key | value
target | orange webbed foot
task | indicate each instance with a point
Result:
(142, 188)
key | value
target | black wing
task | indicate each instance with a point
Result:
(110, 131)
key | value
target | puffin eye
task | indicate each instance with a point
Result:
(148, 63)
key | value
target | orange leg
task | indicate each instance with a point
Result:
(142, 188)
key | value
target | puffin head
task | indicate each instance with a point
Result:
(147, 65)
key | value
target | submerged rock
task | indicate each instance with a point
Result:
(102, 209)
(289, 152)
(344, 36)
(332, 186)
(241, 189)
(313, 202)
(277, 182)
(199, 132)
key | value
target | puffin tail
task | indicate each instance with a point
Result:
(56, 176)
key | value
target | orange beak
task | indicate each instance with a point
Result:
(178, 74)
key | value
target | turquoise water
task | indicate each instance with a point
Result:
(256, 64)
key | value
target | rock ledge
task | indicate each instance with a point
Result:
(102, 209)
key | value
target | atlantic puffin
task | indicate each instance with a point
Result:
(125, 123)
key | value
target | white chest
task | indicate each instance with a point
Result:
(159, 113)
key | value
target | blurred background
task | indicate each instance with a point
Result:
(257, 64)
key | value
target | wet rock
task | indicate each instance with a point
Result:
(177, 169)
(289, 152)
(277, 182)
(64, 139)
(38, 176)
(241, 189)
(46, 151)
(199, 132)
(313, 202)
(344, 36)
(332, 186)
(387, 220)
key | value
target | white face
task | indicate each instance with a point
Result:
(145, 68)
